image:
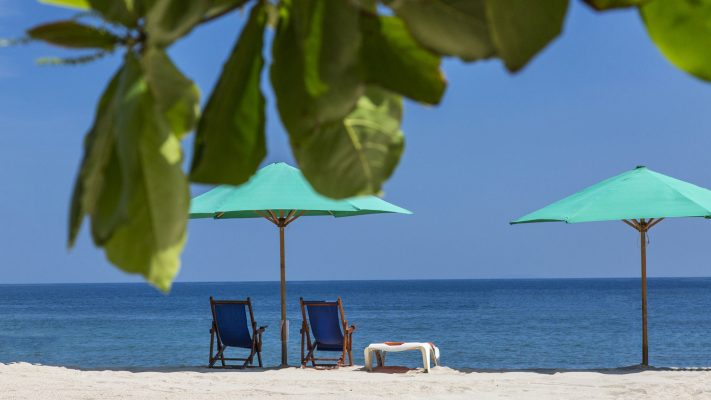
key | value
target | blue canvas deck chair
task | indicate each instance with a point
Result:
(230, 328)
(327, 323)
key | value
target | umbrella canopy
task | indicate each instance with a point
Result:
(639, 193)
(280, 186)
(641, 198)
(281, 194)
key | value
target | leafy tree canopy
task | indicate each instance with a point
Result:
(340, 70)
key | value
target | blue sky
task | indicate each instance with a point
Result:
(598, 101)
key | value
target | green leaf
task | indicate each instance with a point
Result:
(168, 20)
(601, 5)
(449, 27)
(79, 4)
(74, 35)
(346, 143)
(272, 11)
(230, 143)
(392, 59)
(220, 7)
(368, 6)
(356, 155)
(110, 207)
(150, 240)
(315, 71)
(522, 28)
(681, 29)
(84, 59)
(131, 182)
(123, 12)
(98, 148)
(177, 97)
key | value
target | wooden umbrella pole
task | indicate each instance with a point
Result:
(281, 221)
(643, 254)
(282, 225)
(643, 227)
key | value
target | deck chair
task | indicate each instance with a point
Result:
(330, 333)
(230, 328)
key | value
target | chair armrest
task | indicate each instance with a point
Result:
(262, 329)
(351, 329)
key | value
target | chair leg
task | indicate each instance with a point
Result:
(252, 351)
(259, 350)
(248, 360)
(349, 343)
(222, 356)
(379, 358)
(219, 356)
(309, 357)
(426, 359)
(342, 360)
(305, 336)
(303, 359)
(368, 359)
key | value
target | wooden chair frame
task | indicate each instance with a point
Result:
(308, 346)
(215, 338)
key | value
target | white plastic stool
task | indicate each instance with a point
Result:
(429, 352)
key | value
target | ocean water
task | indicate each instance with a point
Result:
(509, 324)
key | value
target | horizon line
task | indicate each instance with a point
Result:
(363, 280)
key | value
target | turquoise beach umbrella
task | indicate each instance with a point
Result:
(641, 198)
(281, 194)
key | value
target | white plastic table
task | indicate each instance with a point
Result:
(429, 351)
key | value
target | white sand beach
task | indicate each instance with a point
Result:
(27, 381)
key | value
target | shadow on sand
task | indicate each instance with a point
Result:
(633, 369)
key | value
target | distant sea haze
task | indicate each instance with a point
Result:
(498, 324)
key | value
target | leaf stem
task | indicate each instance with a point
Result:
(224, 12)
